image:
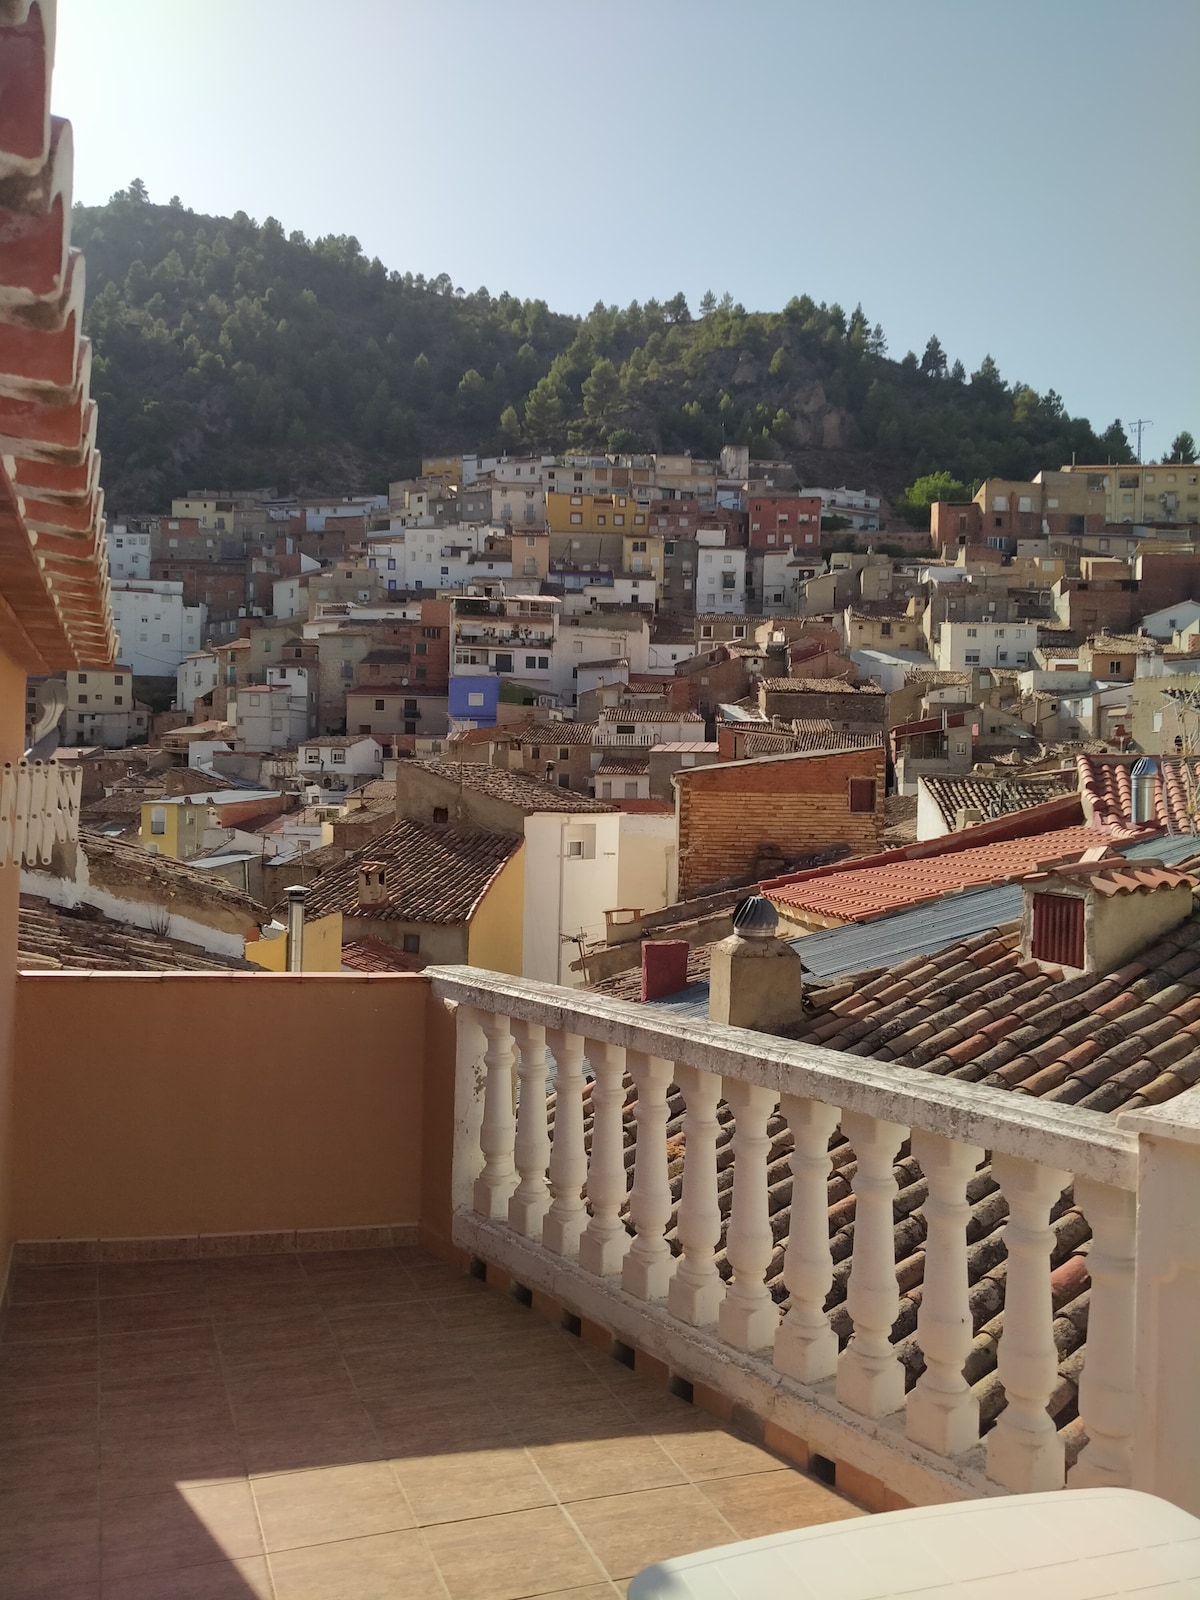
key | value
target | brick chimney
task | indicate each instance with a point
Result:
(372, 884)
(1093, 916)
(755, 980)
(664, 967)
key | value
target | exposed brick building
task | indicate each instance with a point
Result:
(780, 520)
(735, 816)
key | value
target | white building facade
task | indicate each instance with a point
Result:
(156, 630)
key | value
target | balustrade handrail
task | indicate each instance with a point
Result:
(1087, 1143)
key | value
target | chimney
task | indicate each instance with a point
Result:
(296, 896)
(755, 980)
(664, 967)
(1094, 915)
(967, 817)
(372, 884)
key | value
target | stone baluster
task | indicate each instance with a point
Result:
(1106, 1386)
(806, 1345)
(605, 1240)
(695, 1292)
(498, 1129)
(646, 1270)
(1024, 1451)
(567, 1216)
(748, 1316)
(870, 1378)
(942, 1413)
(528, 1203)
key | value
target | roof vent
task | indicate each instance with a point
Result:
(756, 918)
(1143, 799)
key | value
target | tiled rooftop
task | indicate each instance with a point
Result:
(853, 895)
(372, 955)
(994, 797)
(1106, 782)
(818, 686)
(52, 937)
(435, 873)
(357, 1424)
(623, 766)
(528, 794)
(647, 714)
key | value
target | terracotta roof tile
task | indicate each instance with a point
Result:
(434, 874)
(1106, 782)
(529, 795)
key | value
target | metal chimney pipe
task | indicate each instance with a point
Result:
(296, 896)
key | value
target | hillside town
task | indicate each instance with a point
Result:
(594, 1025)
(610, 696)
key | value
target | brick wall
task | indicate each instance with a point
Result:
(729, 816)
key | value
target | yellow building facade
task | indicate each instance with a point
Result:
(594, 513)
(1150, 492)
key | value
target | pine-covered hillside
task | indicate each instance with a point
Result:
(230, 352)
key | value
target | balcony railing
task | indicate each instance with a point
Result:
(39, 807)
(607, 736)
(541, 1188)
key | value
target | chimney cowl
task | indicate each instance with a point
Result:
(756, 918)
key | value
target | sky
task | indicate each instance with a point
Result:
(1020, 177)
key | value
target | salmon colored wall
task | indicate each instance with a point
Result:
(151, 1105)
(437, 1128)
(12, 747)
(495, 935)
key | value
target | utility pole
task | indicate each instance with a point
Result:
(1142, 422)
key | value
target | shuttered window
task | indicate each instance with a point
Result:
(862, 794)
(1058, 929)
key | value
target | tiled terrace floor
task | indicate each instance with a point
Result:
(344, 1427)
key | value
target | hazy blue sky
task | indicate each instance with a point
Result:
(1018, 176)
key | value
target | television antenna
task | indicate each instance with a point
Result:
(1142, 422)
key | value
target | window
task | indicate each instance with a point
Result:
(706, 630)
(972, 658)
(862, 796)
(118, 699)
(575, 846)
(412, 944)
(338, 758)
(564, 780)
(158, 819)
(1114, 668)
(82, 676)
(564, 754)
(1058, 930)
(381, 705)
(474, 699)
(441, 814)
(576, 517)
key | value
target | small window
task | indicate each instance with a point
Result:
(862, 796)
(412, 944)
(158, 820)
(381, 705)
(564, 755)
(82, 676)
(441, 814)
(575, 848)
(564, 780)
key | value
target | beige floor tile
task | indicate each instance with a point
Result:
(709, 1451)
(451, 1433)
(57, 1525)
(501, 1558)
(590, 1591)
(629, 1531)
(156, 1463)
(303, 1508)
(387, 1566)
(589, 1469)
(50, 1572)
(31, 1284)
(269, 1451)
(50, 1320)
(133, 1357)
(366, 1326)
(774, 1502)
(187, 1527)
(143, 1313)
(119, 1278)
(246, 1579)
(600, 1420)
(472, 1483)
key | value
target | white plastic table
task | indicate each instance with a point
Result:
(1073, 1544)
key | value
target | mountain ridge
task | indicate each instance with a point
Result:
(226, 351)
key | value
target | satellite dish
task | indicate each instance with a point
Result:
(51, 703)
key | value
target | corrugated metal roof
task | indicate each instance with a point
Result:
(923, 930)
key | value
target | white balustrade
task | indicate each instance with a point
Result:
(748, 1316)
(512, 1181)
(1024, 1451)
(646, 1270)
(806, 1345)
(870, 1378)
(39, 807)
(605, 1240)
(1106, 1392)
(942, 1412)
(695, 1292)
(529, 1200)
(567, 1216)
(498, 1130)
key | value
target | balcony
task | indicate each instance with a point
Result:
(308, 1316)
